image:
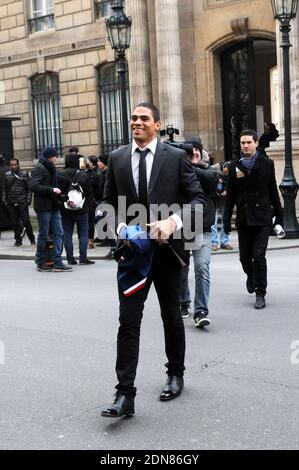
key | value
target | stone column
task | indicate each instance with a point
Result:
(169, 64)
(139, 53)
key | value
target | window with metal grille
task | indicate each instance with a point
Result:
(109, 92)
(103, 8)
(46, 112)
(42, 15)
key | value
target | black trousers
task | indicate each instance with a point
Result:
(253, 242)
(165, 274)
(20, 214)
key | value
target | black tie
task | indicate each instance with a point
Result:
(142, 186)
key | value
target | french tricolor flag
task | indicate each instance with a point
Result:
(135, 288)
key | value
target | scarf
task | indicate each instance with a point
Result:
(248, 163)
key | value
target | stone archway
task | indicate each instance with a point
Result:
(246, 89)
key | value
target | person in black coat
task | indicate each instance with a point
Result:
(97, 182)
(251, 186)
(109, 239)
(270, 135)
(159, 175)
(17, 196)
(78, 217)
(4, 215)
(47, 196)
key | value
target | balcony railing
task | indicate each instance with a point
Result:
(41, 23)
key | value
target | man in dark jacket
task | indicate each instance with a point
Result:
(97, 182)
(110, 240)
(44, 185)
(66, 177)
(201, 252)
(251, 186)
(3, 210)
(17, 196)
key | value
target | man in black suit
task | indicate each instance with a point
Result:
(251, 185)
(171, 180)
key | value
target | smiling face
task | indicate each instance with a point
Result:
(248, 145)
(195, 158)
(143, 126)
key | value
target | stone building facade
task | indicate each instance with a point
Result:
(196, 59)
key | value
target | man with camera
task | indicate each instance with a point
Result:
(201, 252)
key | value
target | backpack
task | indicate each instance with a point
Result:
(75, 195)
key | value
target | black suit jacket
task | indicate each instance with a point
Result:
(172, 182)
(254, 194)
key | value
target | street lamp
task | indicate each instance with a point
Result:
(119, 32)
(284, 11)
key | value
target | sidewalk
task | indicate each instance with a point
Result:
(26, 251)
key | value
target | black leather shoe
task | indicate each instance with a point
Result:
(86, 261)
(173, 388)
(122, 406)
(249, 285)
(260, 302)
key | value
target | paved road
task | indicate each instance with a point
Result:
(58, 331)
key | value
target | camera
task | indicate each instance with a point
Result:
(170, 131)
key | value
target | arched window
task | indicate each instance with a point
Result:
(109, 91)
(46, 112)
(246, 89)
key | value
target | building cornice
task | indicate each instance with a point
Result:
(53, 51)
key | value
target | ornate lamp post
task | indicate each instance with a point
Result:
(284, 11)
(119, 32)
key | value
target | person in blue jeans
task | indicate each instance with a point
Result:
(79, 218)
(201, 252)
(220, 197)
(201, 260)
(43, 185)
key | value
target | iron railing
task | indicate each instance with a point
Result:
(41, 23)
(111, 116)
(46, 112)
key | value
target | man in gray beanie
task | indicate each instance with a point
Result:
(46, 205)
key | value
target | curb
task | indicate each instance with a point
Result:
(97, 257)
